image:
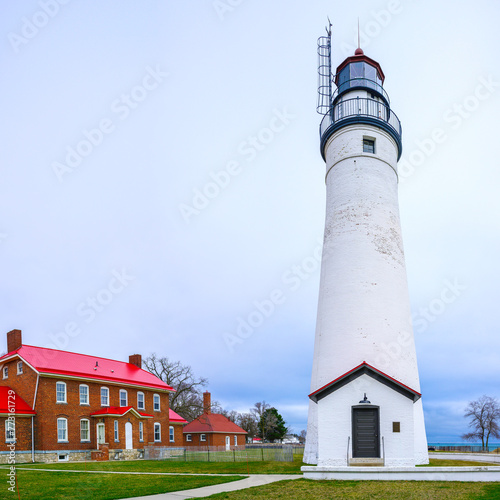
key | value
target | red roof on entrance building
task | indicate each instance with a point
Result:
(13, 404)
(364, 368)
(213, 422)
(71, 364)
(175, 417)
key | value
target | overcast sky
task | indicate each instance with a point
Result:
(162, 188)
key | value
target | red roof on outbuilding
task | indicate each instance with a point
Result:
(13, 404)
(71, 364)
(213, 422)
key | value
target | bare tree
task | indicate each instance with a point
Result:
(187, 401)
(258, 411)
(302, 436)
(484, 415)
(248, 422)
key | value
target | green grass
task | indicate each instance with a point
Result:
(305, 489)
(182, 467)
(214, 467)
(440, 462)
(44, 485)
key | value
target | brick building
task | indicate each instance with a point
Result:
(59, 405)
(213, 429)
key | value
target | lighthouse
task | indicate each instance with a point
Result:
(365, 404)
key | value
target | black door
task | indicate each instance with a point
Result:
(365, 441)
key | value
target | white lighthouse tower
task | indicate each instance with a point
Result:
(365, 404)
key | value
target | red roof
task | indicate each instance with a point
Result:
(370, 370)
(70, 364)
(13, 404)
(213, 422)
(119, 411)
(358, 58)
(176, 418)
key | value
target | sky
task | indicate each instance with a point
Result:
(162, 188)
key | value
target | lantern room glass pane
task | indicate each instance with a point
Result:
(343, 78)
(370, 72)
(356, 70)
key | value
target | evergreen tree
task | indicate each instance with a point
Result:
(272, 427)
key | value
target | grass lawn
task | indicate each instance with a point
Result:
(304, 489)
(186, 467)
(43, 485)
(439, 462)
(215, 467)
(40, 484)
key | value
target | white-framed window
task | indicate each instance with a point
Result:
(235, 440)
(5, 372)
(203, 437)
(123, 397)
(189, 438)
(62, 430)
(156, 402)
(141, 432)
(84, 394)
(104, 396)
(171, 434)
(140, 401)
(60, 392)
(84, 430)
(157, 429)
(117, 438)
(19, 367)
(10, 431)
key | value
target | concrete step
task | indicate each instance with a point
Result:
(366, 462)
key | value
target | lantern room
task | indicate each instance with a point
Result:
(360, 72)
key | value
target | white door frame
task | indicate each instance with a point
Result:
(228, 443)
(129, 442)
(99, 426)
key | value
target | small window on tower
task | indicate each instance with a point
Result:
(369, 146)
(396, 427)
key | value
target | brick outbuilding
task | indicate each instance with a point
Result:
(213, 429)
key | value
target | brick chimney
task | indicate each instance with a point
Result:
(135, 359)
(14, 340)
(207, 404)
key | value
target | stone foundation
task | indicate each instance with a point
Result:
(103, 454)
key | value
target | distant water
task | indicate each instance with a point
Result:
(491, 446)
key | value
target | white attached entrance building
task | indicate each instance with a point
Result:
(365, 417)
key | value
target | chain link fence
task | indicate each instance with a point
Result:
(220, 454)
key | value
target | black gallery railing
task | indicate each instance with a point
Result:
(361, 107)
